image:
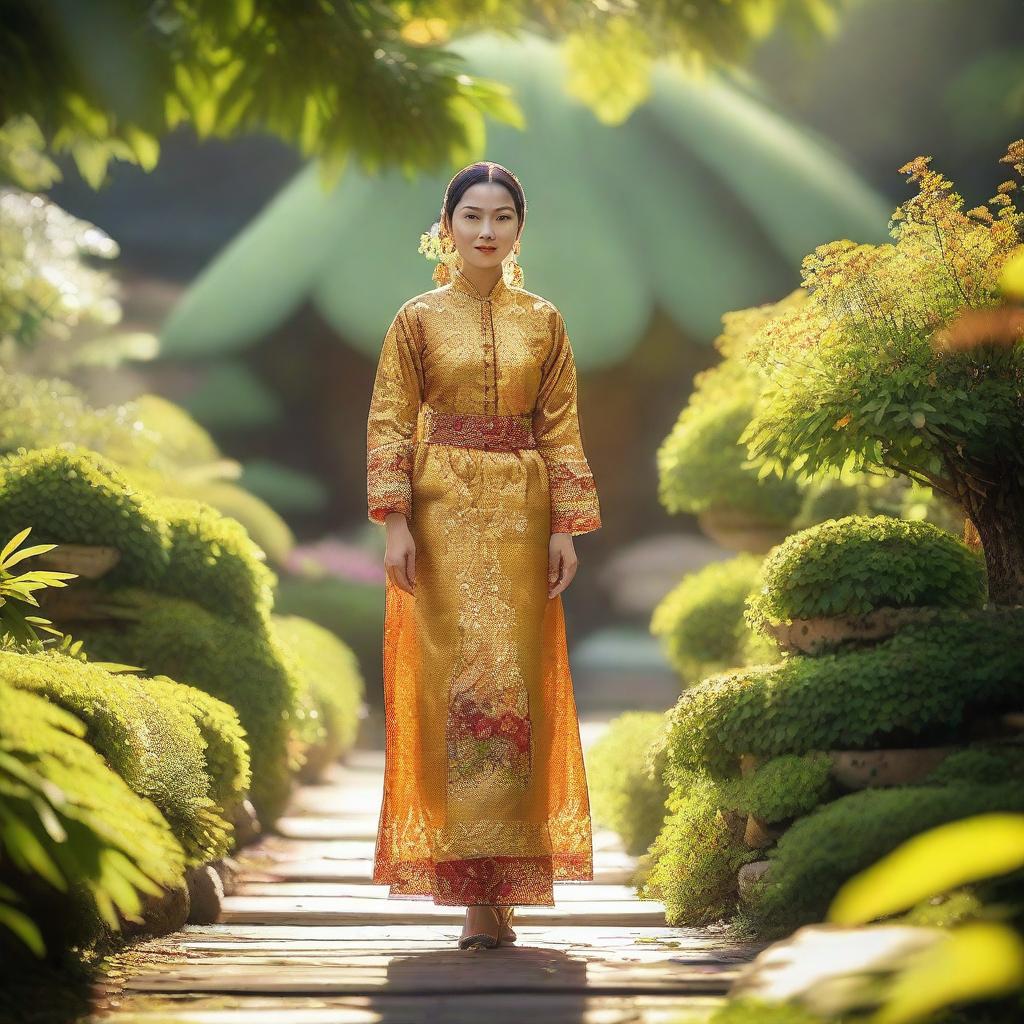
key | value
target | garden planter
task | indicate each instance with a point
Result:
(739, 532)
(161, 914)
(817, 635)
(90, 561)
(860, 769)
(246, 825)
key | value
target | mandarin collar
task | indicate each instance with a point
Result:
(463, 284)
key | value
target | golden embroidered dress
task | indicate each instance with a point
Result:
(473, 434)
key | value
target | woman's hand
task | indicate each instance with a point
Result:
(562, 563)
(400, 555)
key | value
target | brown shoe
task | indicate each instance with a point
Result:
(484, 940)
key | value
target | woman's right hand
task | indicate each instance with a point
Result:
(400, 555)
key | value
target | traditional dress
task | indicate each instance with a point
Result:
(473, 434)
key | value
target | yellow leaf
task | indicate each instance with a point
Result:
(977, 961)
(933, 862)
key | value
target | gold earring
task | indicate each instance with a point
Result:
(449, 257)
(511, 270)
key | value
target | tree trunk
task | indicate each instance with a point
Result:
(998, 517)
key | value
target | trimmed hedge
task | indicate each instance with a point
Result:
(331, 684)
(781, 788)
(74, 496)
(627, 793)
(246, 668)
(76, 842)
(695, 857)
(921, 682)
(701, 622)
(859, 563)
(227, 751)
(148, 737)
(175, 546)
(818, 853)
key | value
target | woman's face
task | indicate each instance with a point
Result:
(485, 216)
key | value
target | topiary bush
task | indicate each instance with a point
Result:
(214, 562)
(700, 621)
(627, 792)
(246, 668)
(818, 853)
(781, 788)
(175, 546)
(859, 563)
(986, 763)
(695, 856)
(73, 496)
(227, 752)
(148, 736)
(332, 686)
(919, 684)
(77, 845)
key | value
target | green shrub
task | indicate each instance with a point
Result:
(700, 463)
(214, 562)
(147, 736)
(627, 793)
(856, 564)
(986, 763)
(73, 496)
(921, 682)
(695, 857)
(247, 668)
(701, 622)
(331, 683)
(817, 854)
(227, 752)
(781, 788)
(70, 829)
(176, 546)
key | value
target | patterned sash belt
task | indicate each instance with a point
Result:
(502, 433)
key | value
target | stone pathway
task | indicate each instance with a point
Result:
(306, 938)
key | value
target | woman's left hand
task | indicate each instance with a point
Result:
(562, 563)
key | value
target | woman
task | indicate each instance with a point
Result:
(475, 464)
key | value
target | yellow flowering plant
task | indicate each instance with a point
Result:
(887, 369)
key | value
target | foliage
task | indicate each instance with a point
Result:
(626, 790)
(170, 545)
(856, 564)
(330, 681)
(695, 856)
(18, 590)
(157, 446)
(227, 752)
(246, 668)
(820, 852)
(215, 563)
(72, 495)
(982, 762)
(69, 821)
(237, 68)
(980, 960)
(148, 736)
(923, 681)
(701, 622)
(869, 373)
(701, 466)
(781, 788)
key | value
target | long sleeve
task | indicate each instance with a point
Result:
(391, 425)
(574, 504)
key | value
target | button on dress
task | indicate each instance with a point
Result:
(473, 434)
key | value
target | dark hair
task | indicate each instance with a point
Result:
(484, 170)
